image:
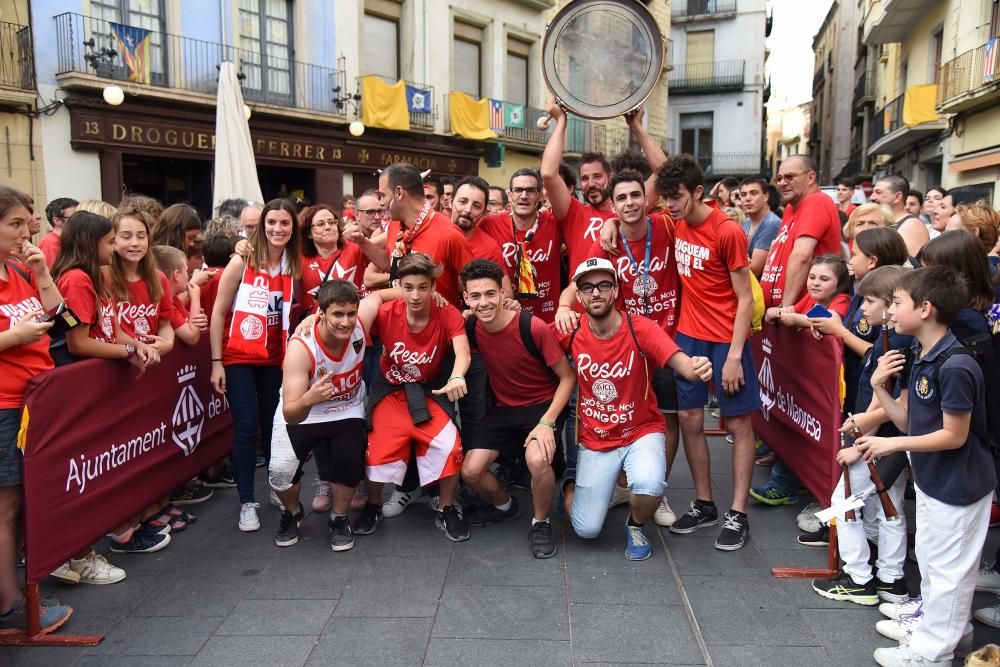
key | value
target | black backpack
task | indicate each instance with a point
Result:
(985, 349)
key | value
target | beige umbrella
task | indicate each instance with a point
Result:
(235, 168)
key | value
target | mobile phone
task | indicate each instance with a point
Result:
(52, 314)
(819, 311)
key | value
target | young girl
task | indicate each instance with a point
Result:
(826, 286)
(250, 321)
(141, 292)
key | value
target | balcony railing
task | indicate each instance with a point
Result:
(688, 9)
(695, 78)
(584, 136)
(419, 120)
(718, 165)
(968, 73)
(863, 90)
(17, 64)
(185, 64)
(888, 119)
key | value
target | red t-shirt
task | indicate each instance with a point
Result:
(347, 263)
(518, 377)
(545, 258)
(446, 245)
(415, 357)
(815, 217)
(706, 254)
(581, 229)
(656, 298)
(179, 314)
(140, 316)
(49, 245)
(485, 246)
(78, 292)
(616, 404)
(839, 305)
(208, 293)
(20, 363)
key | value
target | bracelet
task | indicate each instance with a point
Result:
(564, 305)
(51, 283)
(457, 377)
(214, 360)
(546, 422)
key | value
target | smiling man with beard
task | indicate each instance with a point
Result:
(468, 208)
(615, 355)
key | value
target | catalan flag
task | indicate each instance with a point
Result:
(990, 61)
(496, 116)
(133, 43)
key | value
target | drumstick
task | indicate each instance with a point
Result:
(544, 122)
(849, 515)
(888, 507)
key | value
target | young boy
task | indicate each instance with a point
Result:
(188, 322)
(858, 584)
(942, 408)
(531, 389)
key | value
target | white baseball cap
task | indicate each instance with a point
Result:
(595, 264)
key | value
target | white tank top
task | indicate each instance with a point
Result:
(348, 386)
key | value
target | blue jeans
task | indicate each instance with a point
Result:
(645, 464)
(252, 392)
(783, 478)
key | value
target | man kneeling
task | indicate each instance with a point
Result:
(620, 426)
(531, 382)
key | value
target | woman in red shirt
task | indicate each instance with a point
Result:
(141, 292)
(250, 323)
(26, 290)
(325, 254)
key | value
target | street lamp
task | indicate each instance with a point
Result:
(113, 94)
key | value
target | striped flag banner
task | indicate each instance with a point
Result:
(990, 61)
(134, 46)
(496, 116)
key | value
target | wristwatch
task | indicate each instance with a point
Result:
(129, 351)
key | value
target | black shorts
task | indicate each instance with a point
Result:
(505, 428)
(345, 439)
(665, 388)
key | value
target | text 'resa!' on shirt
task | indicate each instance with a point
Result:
(409, 356)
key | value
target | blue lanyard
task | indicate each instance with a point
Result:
(644, 269)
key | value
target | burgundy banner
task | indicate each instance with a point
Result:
(102, 445)
(800, 419)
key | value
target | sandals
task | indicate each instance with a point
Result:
(173, 511)
(765, 459)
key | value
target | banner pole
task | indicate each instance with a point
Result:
(832, 563)
(32, 635)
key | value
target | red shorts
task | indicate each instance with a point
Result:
(436, 443)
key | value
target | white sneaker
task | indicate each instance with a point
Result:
(988, 580)
(248, 517)
(621, 496)
(895, 610)
(901, 656)
(808, 523)
(274, 500)
(898, 629)
(664, 516)
(95, 569)
(323, 499)
(65, 574)
(398, 501)
(989, 615)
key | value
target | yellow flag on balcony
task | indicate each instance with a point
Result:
(384, 104)
(918, 105)
(470, 118)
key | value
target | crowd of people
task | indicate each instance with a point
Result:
(454, 339)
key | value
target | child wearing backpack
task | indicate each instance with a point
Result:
(858, 583)
(943, 411)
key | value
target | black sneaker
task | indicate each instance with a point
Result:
(818, 538)
(894, 592)
(489, 513)
(341, 535)
(699, 515)
(191, 495)
(844, 589)
(735, 529)
(288, 528)
(450, 521)
(368, 520)
(140, 543)
(543, 544)
(221, 480)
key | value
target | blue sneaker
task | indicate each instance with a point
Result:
(771, 494)
(51, 617)
(637, 546)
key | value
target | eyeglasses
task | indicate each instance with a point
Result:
(603, 286)
(787, 177)
(517, 192)
(371, 212)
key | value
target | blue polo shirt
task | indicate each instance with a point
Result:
(858, 325)
(868, 365)
(956, 476)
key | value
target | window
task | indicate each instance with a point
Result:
(147, 14)
(380, 46)
(518, 53)
(266, 50)
(700, 54)
(696, 136)
(467, 59)
(937, 46)
(995, 19)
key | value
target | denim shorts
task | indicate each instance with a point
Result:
(10, 455)
(691, 395)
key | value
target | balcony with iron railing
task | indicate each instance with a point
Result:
(719, 165)
(693, 10)
(905, 122)
(970, 81)
(887, 120)
(17, 62)
(419, 120)
(707, 78)
(88, 56)
(864, 92)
